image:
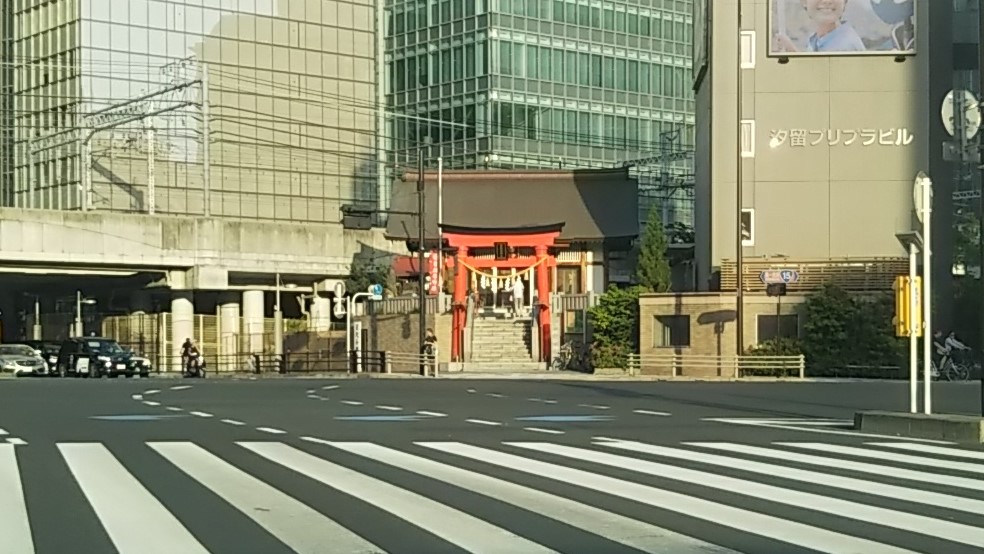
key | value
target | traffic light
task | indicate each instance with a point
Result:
(906, 320)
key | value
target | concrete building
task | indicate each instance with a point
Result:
(200, 149)
(827, 135)
(515, 84)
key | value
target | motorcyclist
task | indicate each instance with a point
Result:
(188, 350)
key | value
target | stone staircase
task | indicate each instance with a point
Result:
(500, 343)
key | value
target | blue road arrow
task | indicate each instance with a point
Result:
(381, 418)
(135, 417)
(566, 418)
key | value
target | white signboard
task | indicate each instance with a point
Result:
(801, 138)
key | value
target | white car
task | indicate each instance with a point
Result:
(21, 359)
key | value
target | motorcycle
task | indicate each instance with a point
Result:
(194, 365)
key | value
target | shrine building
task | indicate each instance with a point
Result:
(555, 231)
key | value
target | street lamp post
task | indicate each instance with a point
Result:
(739, 269)
(79, 301)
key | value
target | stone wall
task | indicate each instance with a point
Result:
(712, 326)
(399, 333)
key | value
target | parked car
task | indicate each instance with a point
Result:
(47, 350)
(21, 360)
(98, 356)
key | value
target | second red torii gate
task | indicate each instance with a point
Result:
(539, 238)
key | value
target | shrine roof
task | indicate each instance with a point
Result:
(593, 205)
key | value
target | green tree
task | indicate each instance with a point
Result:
(653, 269)
(615, 326)
(366, 272)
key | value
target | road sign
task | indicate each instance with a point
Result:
(922, 180)
(971, 118)
(339, 306)
(376, 291)
(774, 276)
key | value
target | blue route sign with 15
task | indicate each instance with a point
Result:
(779, 276)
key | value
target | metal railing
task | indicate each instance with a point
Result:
(676, 365)
(407, 362)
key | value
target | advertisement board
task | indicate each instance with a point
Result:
(842, 27)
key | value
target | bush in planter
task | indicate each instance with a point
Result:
(615, 327)
(774, 347)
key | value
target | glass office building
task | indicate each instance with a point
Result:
(541, 83)
(240, 108)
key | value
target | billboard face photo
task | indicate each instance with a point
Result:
(842, 27)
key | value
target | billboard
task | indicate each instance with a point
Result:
(842, 27)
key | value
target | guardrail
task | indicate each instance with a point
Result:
(697, 365)
(407, 362)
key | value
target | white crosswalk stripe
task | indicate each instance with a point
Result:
(700, 497)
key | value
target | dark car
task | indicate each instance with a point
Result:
(98, 356)
(47, 350)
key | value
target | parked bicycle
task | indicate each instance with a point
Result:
(571, 357)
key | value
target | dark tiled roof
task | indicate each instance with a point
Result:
(593, 204)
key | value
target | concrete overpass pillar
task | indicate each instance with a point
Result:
(9, 319)
(230, 332)
(253, 311)
(320, 315)
(182, 324)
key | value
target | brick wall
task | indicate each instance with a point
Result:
(712, 325)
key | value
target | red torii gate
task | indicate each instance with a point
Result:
(540, 238)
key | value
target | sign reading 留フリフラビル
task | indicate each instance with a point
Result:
(801, 138)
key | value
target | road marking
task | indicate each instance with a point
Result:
(300, 527)
(542, 430)
(123, 505)
(614, 527)
(650, 412)
(200, 414)
(3, 432)
(151, 391)
(352, 402)
(233, 422)
(175, 409)
(16, 441)
(311, 391)
(929, 526)
(136, 396)
(313, 396)
(887, 456)
(432, 414)
(874, 469)
(593, 406)
(15, 527)
(470, 391)
(794, 427)
(827, 480)
(542, 400)
(390, 408)
(271, 430)
(459, 528)
(925, 448)
(495, 395)
(329, 387)
(181, 387)
(776, 528)
(483, 422)
(151, 403)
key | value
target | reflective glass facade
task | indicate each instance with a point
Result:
(291, 109)
(539, 83)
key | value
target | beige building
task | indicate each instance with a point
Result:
(831, 141)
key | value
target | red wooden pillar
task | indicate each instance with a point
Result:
(459, 307)
(543, 298)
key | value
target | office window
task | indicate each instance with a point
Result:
(671, 331)
(766, 327)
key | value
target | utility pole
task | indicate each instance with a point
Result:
(980, 204)
(739, 254)
(421, 238)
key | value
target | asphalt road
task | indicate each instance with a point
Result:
(432, 466)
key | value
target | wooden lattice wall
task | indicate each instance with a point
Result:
(858, 275)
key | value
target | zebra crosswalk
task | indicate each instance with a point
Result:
(314, 496)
